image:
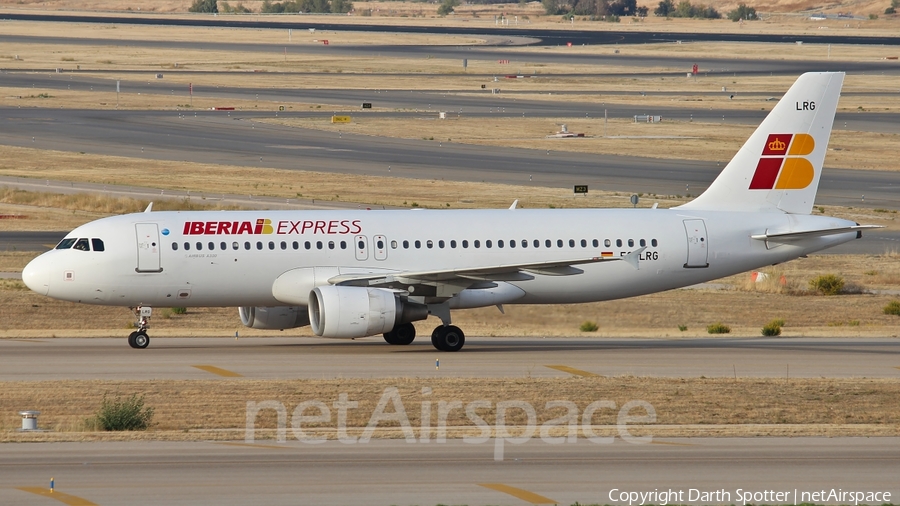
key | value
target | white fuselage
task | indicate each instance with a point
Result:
(193, 258)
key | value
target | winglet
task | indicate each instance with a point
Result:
(514, 204)
(149, 208)
(633, 257)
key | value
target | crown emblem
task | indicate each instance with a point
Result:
(777, 145)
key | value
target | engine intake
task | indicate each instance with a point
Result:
(353, 311)
(274, 318)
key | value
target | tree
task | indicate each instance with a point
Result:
(447, 7)
(555, 7)
(666, 8)
(623, 7)
(234, 9)
(742, 12)
(684, 9)
(341, 6)
(642, 11)
(207, 6)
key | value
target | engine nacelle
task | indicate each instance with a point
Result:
(274, 318)
(353, 311)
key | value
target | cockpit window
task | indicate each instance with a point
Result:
(97, 244)
(82, 244)
(66, 243)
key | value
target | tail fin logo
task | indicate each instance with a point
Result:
(782, 165)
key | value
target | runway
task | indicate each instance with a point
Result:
(384, 472)
(236, 139)
(316, 358)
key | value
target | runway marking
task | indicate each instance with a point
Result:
(573, 371)
(218, 371)
(253, 445)
(518, 493)
(670, 443)
(71, 500)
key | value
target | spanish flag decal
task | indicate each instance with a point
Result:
(782, 165)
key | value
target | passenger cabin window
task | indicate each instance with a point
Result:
(174, 246)
(607, 243)
(97, 245)
(223, 245)
(653, 242)
(211, 245)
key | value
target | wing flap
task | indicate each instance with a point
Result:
(510, 272)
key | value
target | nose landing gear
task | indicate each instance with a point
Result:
(139, 338)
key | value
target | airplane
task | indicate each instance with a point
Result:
(357, 273)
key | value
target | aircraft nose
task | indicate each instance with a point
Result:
(36, 275)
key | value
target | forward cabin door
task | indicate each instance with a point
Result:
(697, 251)
(147, 247)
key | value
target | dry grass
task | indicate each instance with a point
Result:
(101, 204)
(668, 139)
(193, 405)
(302, 184)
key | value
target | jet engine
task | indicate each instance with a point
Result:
(274, 318)
(353, 311)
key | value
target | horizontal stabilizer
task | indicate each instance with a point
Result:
(788, 236)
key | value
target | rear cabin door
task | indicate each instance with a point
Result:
(697, 254)
(147, 247)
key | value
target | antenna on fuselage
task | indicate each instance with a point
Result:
(149, 208)
(514, 204)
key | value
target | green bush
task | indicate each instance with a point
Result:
(773, 328)
(179, 310)
(827, 284)
(718, 328)
(589, 326)
(893, 307)
(682, 327)
(127, 414)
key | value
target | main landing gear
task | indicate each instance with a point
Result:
(403, 334)
(448, 338)
(444, 337)
(139, 338)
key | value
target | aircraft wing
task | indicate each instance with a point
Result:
(471, 275)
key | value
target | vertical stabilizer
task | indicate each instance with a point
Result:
(779, 167)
